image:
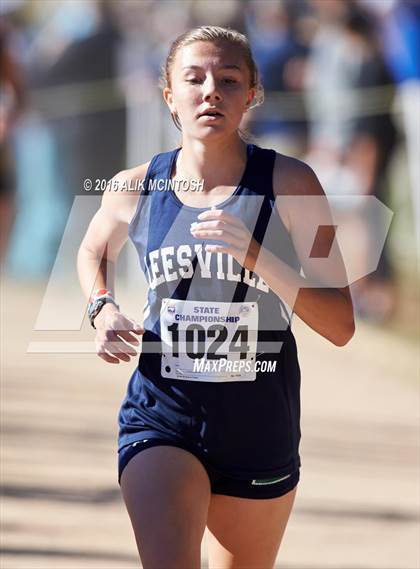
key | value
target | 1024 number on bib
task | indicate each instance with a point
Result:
(209, 331)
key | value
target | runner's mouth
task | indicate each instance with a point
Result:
(211, 114)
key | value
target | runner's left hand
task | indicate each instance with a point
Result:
(222, 226)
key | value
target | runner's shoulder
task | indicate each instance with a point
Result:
(122, 192)
(294, 177)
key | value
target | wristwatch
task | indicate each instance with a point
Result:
(96, 306)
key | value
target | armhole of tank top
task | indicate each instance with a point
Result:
(282, 222)
(143, 192)
(273, 197)
(288, 310)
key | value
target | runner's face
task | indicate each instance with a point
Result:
(210, 78)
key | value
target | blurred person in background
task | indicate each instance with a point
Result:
(229, 13)
(145, 37)
(352, 135)
(400, 26)
(68, 50)
(368, 156)
(40, 220)
(90, 126)
(12, 100)
(280, 55)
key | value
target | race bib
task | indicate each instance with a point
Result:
(208, 341)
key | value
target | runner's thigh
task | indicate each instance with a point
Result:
(167, 492)
(246, 533)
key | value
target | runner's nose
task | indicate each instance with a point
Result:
(210, 91)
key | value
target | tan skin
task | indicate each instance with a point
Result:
(166, 489)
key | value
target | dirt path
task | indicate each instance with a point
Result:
(358, 501)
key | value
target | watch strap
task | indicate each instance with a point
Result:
(96, 303)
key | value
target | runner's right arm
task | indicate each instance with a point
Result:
(97, 256)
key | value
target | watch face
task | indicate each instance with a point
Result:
(95, 307)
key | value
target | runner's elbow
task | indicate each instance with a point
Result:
(344, 335)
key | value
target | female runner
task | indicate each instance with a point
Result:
(215, 445)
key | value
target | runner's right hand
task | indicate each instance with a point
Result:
(115, 335)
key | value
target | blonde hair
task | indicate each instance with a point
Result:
(214, 34)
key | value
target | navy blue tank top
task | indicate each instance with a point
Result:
(218, 368)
